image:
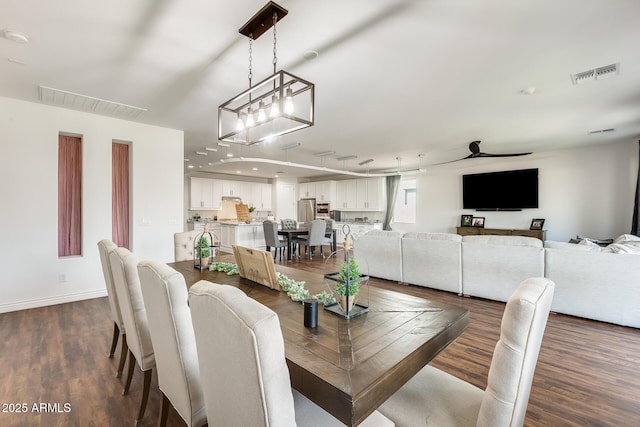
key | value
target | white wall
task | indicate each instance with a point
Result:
(585, 191)
(31, 268)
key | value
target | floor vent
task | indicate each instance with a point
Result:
(63, 98)
(596, 74)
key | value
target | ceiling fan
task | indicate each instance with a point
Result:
(474, 147)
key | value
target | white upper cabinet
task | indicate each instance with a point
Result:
(365, 194)
(260, 196)
(201, 193)
(206, 193)
(326, 192)
(307, 190)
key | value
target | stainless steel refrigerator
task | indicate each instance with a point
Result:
(306, 210)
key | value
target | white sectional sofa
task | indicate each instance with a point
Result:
(591, 281)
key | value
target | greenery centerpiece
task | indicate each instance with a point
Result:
(203, 251)
(346, 287)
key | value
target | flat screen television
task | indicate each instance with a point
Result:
(501, 191)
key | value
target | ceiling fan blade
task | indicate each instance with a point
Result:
(501, 155)
(470, 156)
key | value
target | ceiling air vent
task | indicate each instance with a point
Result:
(63, 98)
(596, 74)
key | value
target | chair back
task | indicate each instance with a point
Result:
(505, 399)
(317, 230)
(104, 247)
(271, 233)
(183, 245)
(241, 353)
(289, 224)
(166, 301)
(124, 266)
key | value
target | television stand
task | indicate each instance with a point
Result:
(479, 231)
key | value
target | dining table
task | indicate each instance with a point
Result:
(349, 367)
(292, 233)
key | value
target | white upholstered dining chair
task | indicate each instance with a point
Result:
(124, 266)
(166, 301)
(183, 245)
(435, 398)
(243, 336)
(105, 246)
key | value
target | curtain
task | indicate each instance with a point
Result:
(120, 194)
(635, 225)
(392, 183)
(69, 196)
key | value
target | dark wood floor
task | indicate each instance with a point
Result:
(588, 373)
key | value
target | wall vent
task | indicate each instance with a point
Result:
(63, 98)
(596, 74)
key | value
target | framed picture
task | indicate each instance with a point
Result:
(477, 221)
(465, 220)
(536, 224)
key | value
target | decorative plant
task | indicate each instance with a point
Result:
(226, 267)
(204, 250)
(252, 208)
(352, 271)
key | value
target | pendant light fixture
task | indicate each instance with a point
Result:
(277, 105)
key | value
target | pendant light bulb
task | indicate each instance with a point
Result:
(239, 124)
(288, 102)
(261, 114)
(275, 107)
(250, 122)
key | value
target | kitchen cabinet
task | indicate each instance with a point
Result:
(365, 194)
(322, 191)
(307, 190)
(248, 235)
(369, 194)
(326, 192)
(260, 196)
(201, 193)
(346, 195)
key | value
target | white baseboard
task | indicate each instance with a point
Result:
(59, 299)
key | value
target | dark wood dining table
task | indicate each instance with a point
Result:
(350, 367)
(292, 233)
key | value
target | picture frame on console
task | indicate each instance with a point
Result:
(536, 224)
(465, 220)
(477, 221)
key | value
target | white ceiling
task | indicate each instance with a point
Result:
(393, 78)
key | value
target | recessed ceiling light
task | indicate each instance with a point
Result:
(210, 164)
(222, 144)
(210, 149)
(529, 90)
(186, 160)
(254, 169)
(346, 157)
(229, 155)
(190, 166)
(310, 54)
(202, 153)
(238, 171)
(15, 36)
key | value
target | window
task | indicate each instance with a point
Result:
(69, 195)
(405, 208)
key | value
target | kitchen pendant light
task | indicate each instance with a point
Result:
(295, 94)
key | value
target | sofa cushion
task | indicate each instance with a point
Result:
(432, 260)
(494, 266)
(379, 254)
(565, 246)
